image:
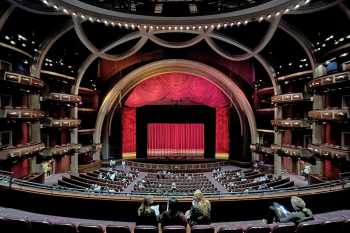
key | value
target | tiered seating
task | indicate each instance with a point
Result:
(101, 180)
(250, 180)
(185, 183)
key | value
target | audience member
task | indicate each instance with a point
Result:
(200, 210)
(173, 216)
(145, 214)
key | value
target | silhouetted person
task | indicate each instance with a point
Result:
(173, 216)
(145, 214)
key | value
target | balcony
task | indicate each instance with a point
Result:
(330, 151)
(60, 150)
(10, 112)
(291, 150)
(62, 97)
(21, 150)
(289, 123)
(86, 131)
(265, 110)
(329, 80)
(62, 123)
(23, 80)
(330, 114)
(296, 76)
(261, 149)
(288, 98)
(265, 91)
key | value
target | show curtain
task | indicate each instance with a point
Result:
(129, 130)
(222, 130)
(175, 139)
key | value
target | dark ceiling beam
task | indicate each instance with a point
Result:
(32, 10)
(6, 15)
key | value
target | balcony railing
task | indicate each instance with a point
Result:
(265, 91)
(288, 123)
(329, 80)
(330, 114)
(20, 79)
(287, 98)
(21, 150)
(60, 150)
(62, 97)
(59, 123)
(291, 150)
(21, 113)
(261, 149)
(300, 75)
(330, 151)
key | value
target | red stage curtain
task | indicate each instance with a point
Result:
(21, 169)
(129, 130)
(175, 139)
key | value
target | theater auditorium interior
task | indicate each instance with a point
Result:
(236, 109)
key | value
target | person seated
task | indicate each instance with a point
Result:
(200, 210)
(173, 216)
(145, 214)
(300, 214)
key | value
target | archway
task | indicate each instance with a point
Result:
(216, 77)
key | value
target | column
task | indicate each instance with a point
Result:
(317, 135)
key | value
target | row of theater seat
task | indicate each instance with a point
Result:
(9, 225)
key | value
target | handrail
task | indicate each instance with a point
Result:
(29, 186)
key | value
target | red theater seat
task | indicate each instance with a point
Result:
(284, 228)
(309, 227)
(202, 229)
(258, 229)
(82, 228)
(40, 227)
(145, 229)
(64, 227)
(230, 229)
(174, 229)
(16, 225)
(334, 225)
(117, 229)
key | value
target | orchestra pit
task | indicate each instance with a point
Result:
(174, 116)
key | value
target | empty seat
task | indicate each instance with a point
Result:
(334, 225)
(259, 229)
(83, 228)
(40, 227)
(64, 227)
(202, 229)
(117, 229)
(145, 229)
(309, 227)
(230, 229)
(284, 228)
(16, 225)
(174, 229)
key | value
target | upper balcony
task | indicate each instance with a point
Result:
(62, 97)
(10, 112)
(330, 81)
(19, 79)
(304, 75)
(60, 150)
(330, 151)
(21, 150)
(259, 148)
(289, 123)
(330, 114)
(291, 150)
(62, 123)
(265, 91)
(288, 98)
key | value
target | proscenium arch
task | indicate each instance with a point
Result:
(201, 70)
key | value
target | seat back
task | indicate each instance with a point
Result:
(334, 225)
(202, 229)
(346, 226)
(259, 229)
(284, 228)
(117, 229)
(174, 229)
(16, 225)
(40, 227)
(64, 227)
(230, 229)
(309, 227)
(145, 229)
(83, 228)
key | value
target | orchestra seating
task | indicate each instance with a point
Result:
(100, 180)
(185, 183)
